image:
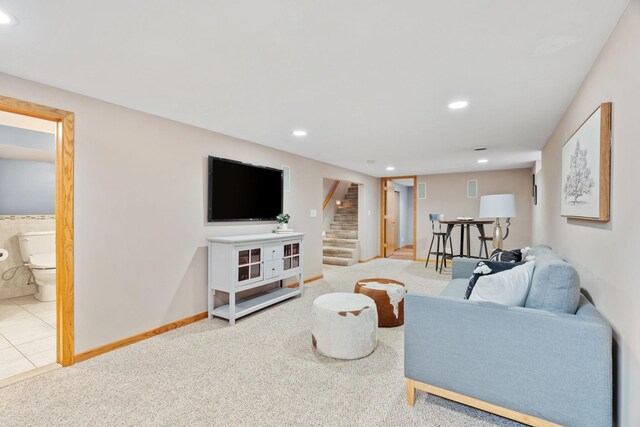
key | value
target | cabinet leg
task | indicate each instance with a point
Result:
(210, 300)
(232, 308)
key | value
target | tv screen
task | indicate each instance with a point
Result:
(243, 192)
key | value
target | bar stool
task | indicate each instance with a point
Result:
(439, 236)
(483, 243)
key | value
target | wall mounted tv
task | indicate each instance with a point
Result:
(243, 192)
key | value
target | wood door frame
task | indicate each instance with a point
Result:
(383, 204)
(64, 217)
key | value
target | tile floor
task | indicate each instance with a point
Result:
(27, 335)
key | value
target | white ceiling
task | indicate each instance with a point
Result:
(366, 79)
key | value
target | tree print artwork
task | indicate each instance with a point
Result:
(584, 187)
(579, 181)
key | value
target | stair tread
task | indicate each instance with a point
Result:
(339, 248)
(344, 262)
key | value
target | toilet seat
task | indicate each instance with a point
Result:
(43, 261)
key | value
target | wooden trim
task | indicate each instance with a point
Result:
(383, 237)
(370, 259)
(412, 385)
(605, 161)
(399, 177)
(383, 199)
(139, 337)
(330, 195)
(415, 217)
(64, 216)
(313, 279)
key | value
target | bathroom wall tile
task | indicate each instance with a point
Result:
(12, 362)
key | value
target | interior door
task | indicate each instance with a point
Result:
(391, 219)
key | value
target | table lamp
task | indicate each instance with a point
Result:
(498, 206)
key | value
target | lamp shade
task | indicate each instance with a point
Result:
(498, 206)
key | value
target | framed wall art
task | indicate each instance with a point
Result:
(586, 168)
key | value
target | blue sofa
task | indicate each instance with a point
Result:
(546, 363)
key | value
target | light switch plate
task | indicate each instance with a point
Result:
(314, 213)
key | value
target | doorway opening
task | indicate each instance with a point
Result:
(340, 212)
(36, 289)
(398, 217)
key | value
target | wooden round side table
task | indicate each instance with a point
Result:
(388, 295)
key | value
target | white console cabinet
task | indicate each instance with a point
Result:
(238, 263)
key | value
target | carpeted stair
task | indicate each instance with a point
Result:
(340, 245)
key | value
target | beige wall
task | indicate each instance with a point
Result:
(140, 218)
(605, 254)
(447, 194)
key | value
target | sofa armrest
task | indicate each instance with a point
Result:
(463, 267)
(552, 366)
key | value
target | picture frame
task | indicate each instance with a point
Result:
(586, 168)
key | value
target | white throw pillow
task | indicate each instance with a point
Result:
(508, 287)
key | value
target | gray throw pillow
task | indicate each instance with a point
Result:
(555, 286)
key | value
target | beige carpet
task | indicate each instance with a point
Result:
(262, 372)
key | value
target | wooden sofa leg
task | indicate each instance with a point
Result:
(412, 385)
(411, 392)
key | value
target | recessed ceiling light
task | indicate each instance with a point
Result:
(300, 132)
(6, 19)
(458, 104)
(390, 168)
(483, 161)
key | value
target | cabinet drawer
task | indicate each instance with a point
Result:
(273, 252)
(272, 268)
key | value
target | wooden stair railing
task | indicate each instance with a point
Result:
(330, 195)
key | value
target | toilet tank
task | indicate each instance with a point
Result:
(36, 242)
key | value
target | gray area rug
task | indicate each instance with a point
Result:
(261, 372)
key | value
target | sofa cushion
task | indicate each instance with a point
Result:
(555, 285)
(455, 289)
(487, 268)
(539, 250)
(502, 255)
(509, 287)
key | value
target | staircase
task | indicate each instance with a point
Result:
(340, 245)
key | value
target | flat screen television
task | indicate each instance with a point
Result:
(243, 192)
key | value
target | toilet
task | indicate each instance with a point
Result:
(38, 250)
